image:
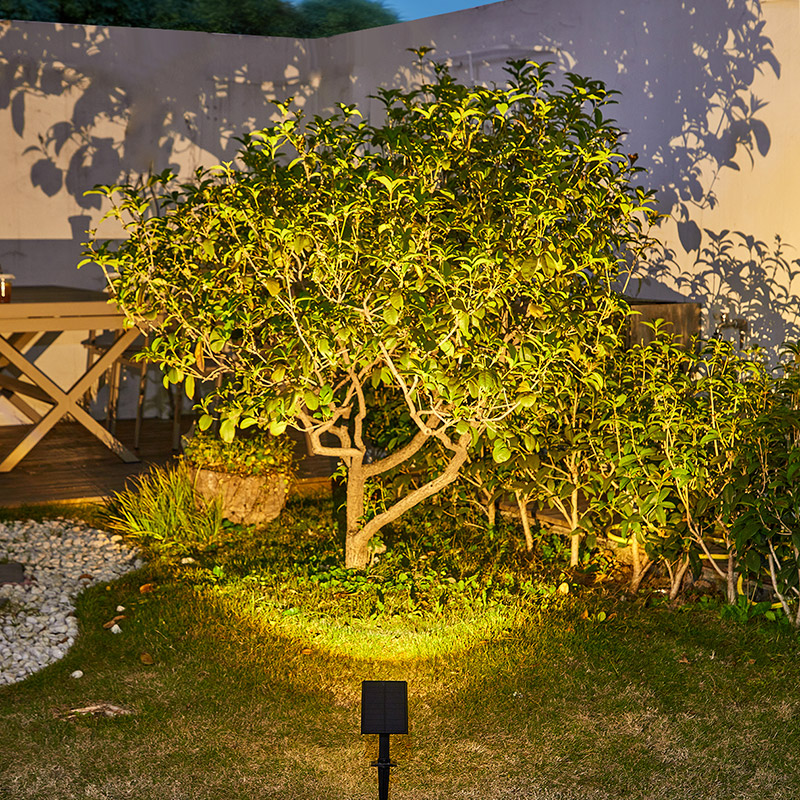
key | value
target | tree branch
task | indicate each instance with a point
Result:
(315, 431)
(445, 478)
(399, 456)
(774, 578)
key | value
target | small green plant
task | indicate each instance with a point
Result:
(159, 513)
(253, 453)
(743, 610)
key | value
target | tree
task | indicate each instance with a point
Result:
(248, 17)
(459, 254)
(329, 17)
(252, 17)
(41, 10)
(565, 463)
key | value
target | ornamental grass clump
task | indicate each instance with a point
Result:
(159, 513)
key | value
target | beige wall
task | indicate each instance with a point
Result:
(709, 96)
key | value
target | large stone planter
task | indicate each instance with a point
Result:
(246, 500)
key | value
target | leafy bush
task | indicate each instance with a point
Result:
(460, 254)
(255, 453)
(766, 527)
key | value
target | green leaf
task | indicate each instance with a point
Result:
(277, 427)
(205, 421)
(311, 400)
(227, 430)
(189, 386)
(752, 561)
(500, 452)
(486, 381)
(301, 244)
(390, 184)
(447, 347)
(391, 315)
(595, 379)
(273, 286)
(217, 340)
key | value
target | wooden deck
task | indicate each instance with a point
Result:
(70, 465)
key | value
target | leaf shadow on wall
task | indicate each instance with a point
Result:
(693, 114)
(126, 120)
(746, 284)
(686, 72)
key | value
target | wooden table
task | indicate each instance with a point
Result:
(35, 311)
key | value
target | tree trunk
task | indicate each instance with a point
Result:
(356, 553)
(491, 509)
(640, 565)
(575, 542)
(731, 579)
(773, 562)
(356, 548)
(677, 579)
(522, 505)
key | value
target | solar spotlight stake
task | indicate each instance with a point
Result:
(384, 710)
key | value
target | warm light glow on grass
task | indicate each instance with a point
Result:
(435, 592)
(386, 639)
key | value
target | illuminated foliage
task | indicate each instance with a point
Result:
(460, 254)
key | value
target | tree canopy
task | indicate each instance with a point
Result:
(458, 255)
(312, 18)
(329, 17)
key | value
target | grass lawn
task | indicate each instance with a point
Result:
(259, 647)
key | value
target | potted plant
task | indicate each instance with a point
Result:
(249, 476)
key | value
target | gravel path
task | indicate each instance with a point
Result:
(60, 559)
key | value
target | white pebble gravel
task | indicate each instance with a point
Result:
(60, 559)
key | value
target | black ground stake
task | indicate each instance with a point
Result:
(384, 710)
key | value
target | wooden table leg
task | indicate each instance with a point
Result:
(18, 341)
(65, 402)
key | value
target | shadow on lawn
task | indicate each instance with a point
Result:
(641, 705)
